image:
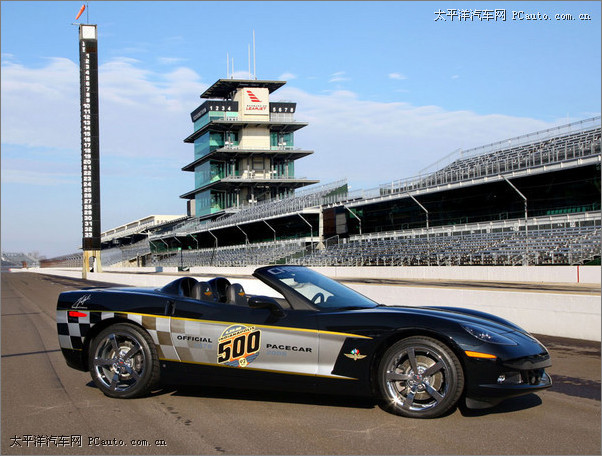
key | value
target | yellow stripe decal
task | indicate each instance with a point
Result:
(228, 323)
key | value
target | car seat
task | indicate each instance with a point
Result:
(219, 285)
(203, 292)
(235, 294)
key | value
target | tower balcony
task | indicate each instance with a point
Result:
(235, 123)
(282, 153)
(251, 179)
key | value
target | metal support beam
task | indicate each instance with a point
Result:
(214, 248)
(355, 215)
(428, 240)
(526, 260)
(270, 227)
(214, 237)
(311, 228)
(246, 237)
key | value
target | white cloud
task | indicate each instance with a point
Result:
(339, 76)
(287, 76)
(142, 113)
(42, 178)
(397, 76)
(241, 74)
(40, 107)
(170, 60)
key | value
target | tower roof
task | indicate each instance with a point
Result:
(223, 88)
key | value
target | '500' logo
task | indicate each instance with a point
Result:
(238, 345)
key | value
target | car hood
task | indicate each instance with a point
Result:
(451, 314)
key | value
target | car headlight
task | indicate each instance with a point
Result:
(487, 335)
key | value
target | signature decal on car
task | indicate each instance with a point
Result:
(238, 345)
(79, 304)
(355, 355)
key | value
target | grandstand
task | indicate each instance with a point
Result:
(551, 240)
(19, 260)
(533, 199)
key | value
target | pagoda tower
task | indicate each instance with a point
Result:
(244, 148)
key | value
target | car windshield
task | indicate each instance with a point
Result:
(323, 292)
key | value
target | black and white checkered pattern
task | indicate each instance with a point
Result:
(72, 331)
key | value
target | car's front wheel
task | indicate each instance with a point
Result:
(123, 361)
(419, 377)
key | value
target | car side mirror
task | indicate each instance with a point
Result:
(265, 302)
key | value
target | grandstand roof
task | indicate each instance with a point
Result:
(138, 225)
(223, 88)
(579, 148)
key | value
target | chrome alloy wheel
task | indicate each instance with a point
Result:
(416, 379)
(420, 377)
(119, 361)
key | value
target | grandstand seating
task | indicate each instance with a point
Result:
(72, 260)
(17, 260)
(249, 254)
(550, 240)
(559, 239)
(486, 162)
(568, 239)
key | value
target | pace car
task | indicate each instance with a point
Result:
(316, 335)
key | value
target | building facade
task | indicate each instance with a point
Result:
(244, 149)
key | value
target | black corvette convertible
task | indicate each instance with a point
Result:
(318, 335)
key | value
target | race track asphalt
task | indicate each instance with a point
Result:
(48, 408)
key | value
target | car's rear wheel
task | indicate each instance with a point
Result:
(123, 361)
(419, 377)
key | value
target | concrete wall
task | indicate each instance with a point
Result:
(555, 314)
(552, 314)
(543, 274)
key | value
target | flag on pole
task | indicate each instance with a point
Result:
(80, 12)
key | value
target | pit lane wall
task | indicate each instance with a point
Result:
(561, 314)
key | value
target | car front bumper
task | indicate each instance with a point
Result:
(495, 381)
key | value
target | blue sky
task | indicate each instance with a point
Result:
(387, 91)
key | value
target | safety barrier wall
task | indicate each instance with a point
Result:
(569, 315)
(541, 274)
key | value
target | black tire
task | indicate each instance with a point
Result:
(123, 361)
(431, 391)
